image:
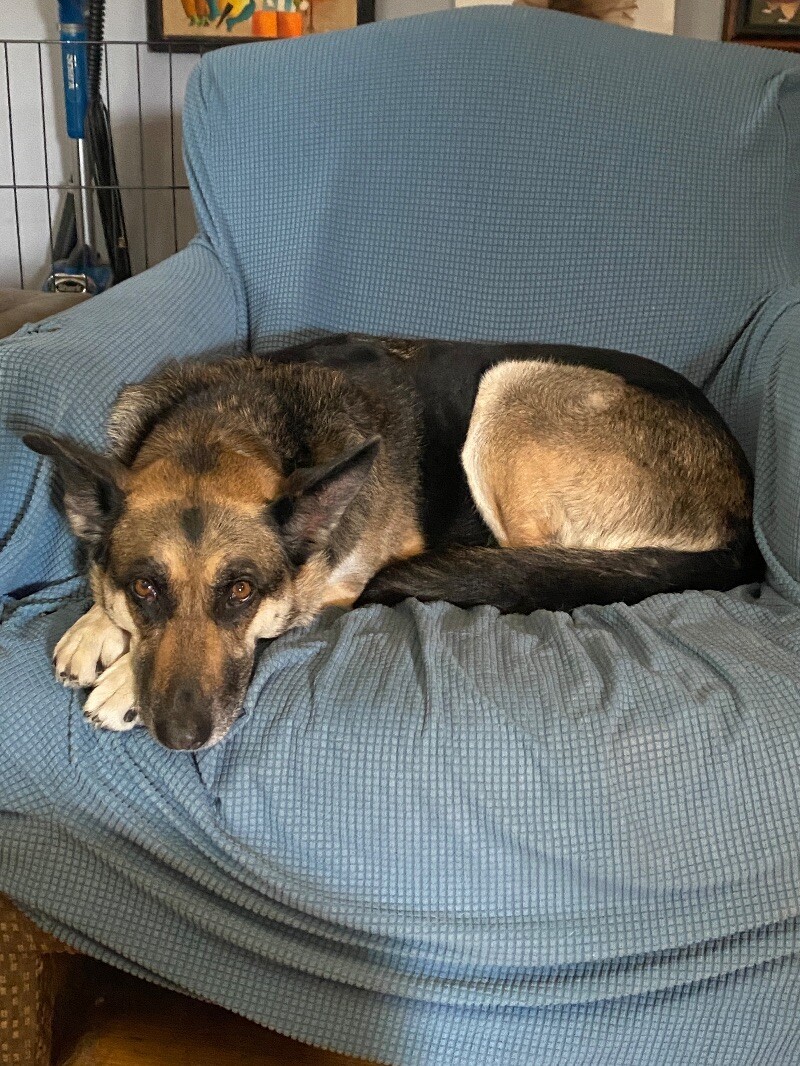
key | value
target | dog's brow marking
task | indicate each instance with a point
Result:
(199, 457)
(193, 523)
(241, 479)
(235, 480)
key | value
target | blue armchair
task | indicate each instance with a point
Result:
(438, 836)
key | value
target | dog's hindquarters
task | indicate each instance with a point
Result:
(596, 491)
(575, 457)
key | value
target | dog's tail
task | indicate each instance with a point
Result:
(521, 580)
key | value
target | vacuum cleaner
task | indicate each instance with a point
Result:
(77, 265)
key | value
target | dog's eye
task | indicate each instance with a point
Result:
(240, 592)
(144, 590)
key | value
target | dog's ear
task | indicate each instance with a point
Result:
(318, 496)
(93, 484)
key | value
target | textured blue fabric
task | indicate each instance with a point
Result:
(503, 175)
(759, 388)
(439, 836)
(62, 374)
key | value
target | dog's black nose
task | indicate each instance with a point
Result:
(184, 724)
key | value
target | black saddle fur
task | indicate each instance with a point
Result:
(463, 563)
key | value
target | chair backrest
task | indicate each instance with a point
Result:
(502, 174)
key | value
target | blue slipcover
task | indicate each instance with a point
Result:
(437, 836)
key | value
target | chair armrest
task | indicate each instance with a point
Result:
(62, 374)
(758, 392)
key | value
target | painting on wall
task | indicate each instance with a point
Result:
(195, 25)
(770, 23)
(655, 15)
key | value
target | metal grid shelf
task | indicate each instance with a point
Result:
(143, 92)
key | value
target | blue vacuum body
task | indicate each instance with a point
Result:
(79, 269)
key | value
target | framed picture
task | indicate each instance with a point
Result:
(655, 15)
(197, 25)
(770, 23)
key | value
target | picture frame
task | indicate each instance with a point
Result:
(768, 23)
(657, 16)
(200, 25)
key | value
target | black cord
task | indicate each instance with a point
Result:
(101, 150)
(95, 15)
(106, 182)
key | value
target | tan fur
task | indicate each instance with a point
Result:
(270, 619)
(233, 495)
(166, 663)
(113, 601)
(412, 544)
(116, 605)
(238, 480)
(317, 586)
(185, 641)
(556, 455)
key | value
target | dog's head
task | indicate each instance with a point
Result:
(198, 549)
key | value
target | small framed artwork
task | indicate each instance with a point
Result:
(655, 15)
(770, 23)
(197, 25)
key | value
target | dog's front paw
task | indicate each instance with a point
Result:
(87, 648)
(112, 702)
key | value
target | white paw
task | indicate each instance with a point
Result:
(112, 702)
(87, 648)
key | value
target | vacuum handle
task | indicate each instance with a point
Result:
(72, 32)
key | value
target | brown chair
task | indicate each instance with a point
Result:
(34, 969)
(34, 966)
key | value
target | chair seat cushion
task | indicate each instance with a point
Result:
(455, 808)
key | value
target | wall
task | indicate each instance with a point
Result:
(125, 19)
(700, 18)
(148, 152)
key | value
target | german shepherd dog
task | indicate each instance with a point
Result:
(242, 497)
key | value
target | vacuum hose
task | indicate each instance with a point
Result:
(95, 30)
(98, 134)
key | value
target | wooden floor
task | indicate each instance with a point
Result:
(133, 1023)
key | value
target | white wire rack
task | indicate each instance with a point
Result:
(143, 92)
